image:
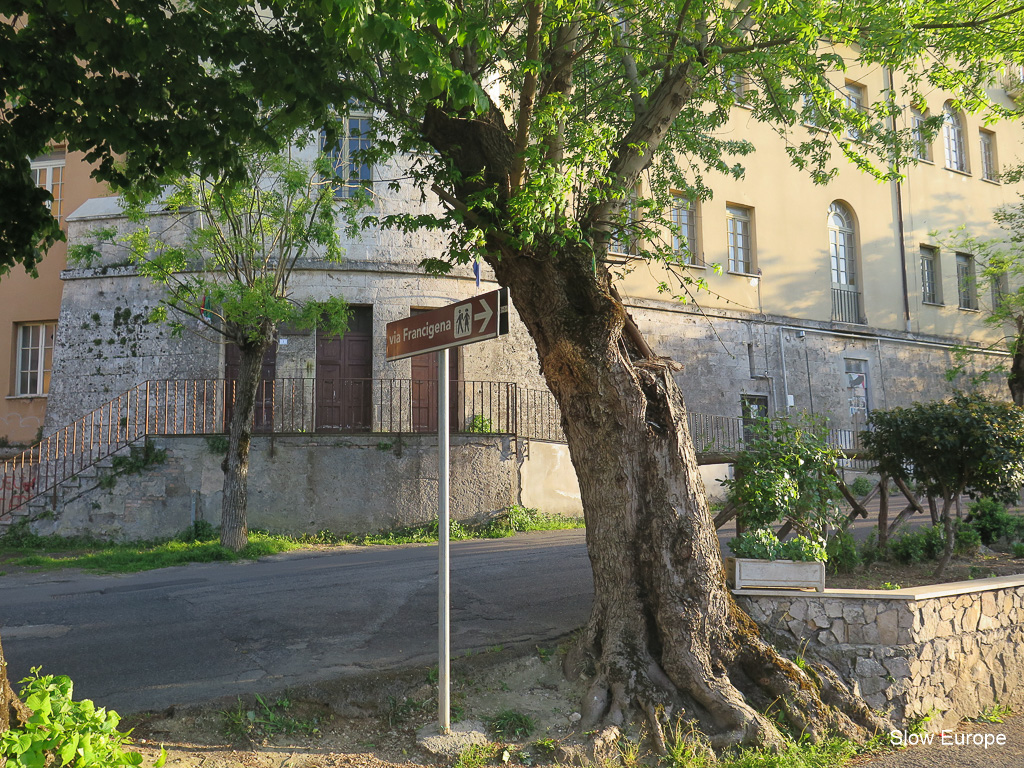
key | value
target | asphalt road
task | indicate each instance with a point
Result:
(193, 633)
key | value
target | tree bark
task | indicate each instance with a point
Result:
(1015, 379)
(234, 527)
(665, 631)
(883, 511)
(12, 711)
(949, 531)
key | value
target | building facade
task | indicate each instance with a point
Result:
(29, 307)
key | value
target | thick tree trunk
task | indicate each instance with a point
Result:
(665, 631)
(12, 711)
(234, 528)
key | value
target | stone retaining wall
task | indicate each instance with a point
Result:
(358, 483)
(947, 651)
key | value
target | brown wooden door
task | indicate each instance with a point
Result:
(263, 420)
(424, 390)
(344, 376)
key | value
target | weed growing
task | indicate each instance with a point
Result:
(62, 730)
(510, 724)
(994, 713)
(265, 721)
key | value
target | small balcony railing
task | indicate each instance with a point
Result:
(847, 306)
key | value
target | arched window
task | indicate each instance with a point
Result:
(842, 245)
(953, 138)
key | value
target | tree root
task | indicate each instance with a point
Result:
(743, 695)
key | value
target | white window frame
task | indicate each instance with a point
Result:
(989, 166)
(931, 282)
(953, 139)
(33, 358)
(855, 98)
(351, 177)
(48, 174)
(966, 281)
(739, 221)
(842, 245)
(684, 229)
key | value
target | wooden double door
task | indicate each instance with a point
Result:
(344, 376)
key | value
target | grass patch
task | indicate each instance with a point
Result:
(515, 519)
(200, 543)
(146, 556)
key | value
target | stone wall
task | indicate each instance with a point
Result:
(947, 650)
(308, 483)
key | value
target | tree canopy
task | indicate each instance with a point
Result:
(147, 88)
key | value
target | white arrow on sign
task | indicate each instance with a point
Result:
(483, 316)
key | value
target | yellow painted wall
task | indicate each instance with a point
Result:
(24, 299)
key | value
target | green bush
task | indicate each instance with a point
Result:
(968, 539)
(1018, 549)
(762, 544)
(861, 486)
(200, 530)
(918, 546)
(842, 553)
(480, 425)
(62, 731)
(991, 520)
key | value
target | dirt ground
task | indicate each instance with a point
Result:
(372, 721)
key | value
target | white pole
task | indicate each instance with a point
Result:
(444, 636)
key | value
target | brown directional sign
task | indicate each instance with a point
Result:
(482, 317)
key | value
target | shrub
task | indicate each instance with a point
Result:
(480, 425)
(762, 544)
(968, 539)
(1018, 549)
(842, 552)
(991, 520)
(200, 530)
(918, 546)
(861, 486)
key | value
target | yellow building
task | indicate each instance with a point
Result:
(29, 307)
(841, 298)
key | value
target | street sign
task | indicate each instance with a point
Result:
(476, 319)
(482, 317)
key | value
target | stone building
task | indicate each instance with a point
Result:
(834, 299)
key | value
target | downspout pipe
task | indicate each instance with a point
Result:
(896, 187)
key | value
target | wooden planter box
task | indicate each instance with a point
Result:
(775, 574)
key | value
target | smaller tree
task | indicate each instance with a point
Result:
(969, 444)
(787, 472)
(230, 272)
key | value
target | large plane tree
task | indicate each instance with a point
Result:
(534, 123)
(550, 130)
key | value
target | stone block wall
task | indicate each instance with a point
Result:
(308, 483)
(946, 651)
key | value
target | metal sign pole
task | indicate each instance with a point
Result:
(444, 635)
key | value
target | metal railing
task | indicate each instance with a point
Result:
(846, 305)
(204, 407)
